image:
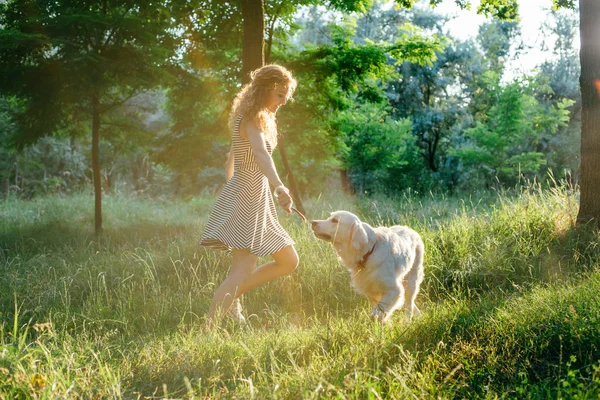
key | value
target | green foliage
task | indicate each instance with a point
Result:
(375, 147)
(564, 4)
(422, 93)
(56, 55)
(496, 39)
(328, 74)
(353, 67)
(505, 142)
(502, 9)
(197, 137)
(351, 5)
(505, 10)
(344, 73)
(335, 79)
(48, 166)
(52, 58)
(51, 165)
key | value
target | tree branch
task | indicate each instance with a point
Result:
(133, 93)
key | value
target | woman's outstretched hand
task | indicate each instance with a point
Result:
(283, 198)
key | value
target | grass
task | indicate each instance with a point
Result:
(510, 305)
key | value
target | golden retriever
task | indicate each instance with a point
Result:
(385, 264)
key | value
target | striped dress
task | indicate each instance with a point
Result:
(244, 215)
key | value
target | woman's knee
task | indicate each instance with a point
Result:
(288, 261)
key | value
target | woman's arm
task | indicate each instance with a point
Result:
(266, 164)
(229, 164)
(261, 155)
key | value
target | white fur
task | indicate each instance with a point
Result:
(392, 274)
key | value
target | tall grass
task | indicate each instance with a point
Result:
(510, 304)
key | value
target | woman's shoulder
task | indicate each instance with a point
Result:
(243, 126)
(249, 124)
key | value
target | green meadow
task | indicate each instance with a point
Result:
(510, 301)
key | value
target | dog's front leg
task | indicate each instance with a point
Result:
(390, 301)
(411, 311)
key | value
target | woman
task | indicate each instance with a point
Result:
(244, 219)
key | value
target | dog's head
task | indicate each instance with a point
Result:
(342, 229)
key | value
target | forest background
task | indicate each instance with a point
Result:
(388, 101)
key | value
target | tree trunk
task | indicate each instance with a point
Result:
(16, 173)
(270, 32)
(291, 180)
(589, 81)
(269, 46)
(253, 37)
(5, 187)
(96, 164)
(346, 183)
(23, 185)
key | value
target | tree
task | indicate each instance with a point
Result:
(8, 159)
(422, 92)
(253, 37)
(65, 58)
(589, 83)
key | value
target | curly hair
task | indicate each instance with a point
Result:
(250, 100)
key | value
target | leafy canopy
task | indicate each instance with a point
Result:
(58, 55)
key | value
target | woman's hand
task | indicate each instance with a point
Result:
(283, 198)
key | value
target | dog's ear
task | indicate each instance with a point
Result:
(359, 236)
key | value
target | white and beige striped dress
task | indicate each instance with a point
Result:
(244, 215)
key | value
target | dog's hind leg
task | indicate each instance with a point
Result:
(412, 282)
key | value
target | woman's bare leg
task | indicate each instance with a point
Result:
(242, 265)
(285, 262)
(244, 277)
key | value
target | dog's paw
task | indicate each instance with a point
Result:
(378, 314)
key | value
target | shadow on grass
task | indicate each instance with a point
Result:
(510, 266)
(81, 236)
(574, 252)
